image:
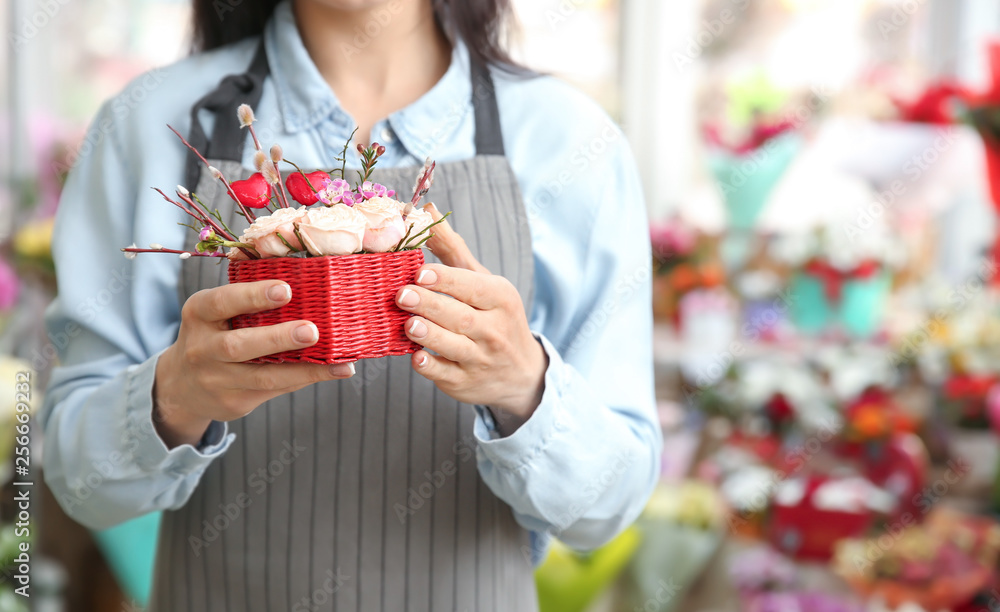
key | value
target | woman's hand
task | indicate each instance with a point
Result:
(200, 378)
(486, 354)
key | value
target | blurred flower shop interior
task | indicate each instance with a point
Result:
(823, 182)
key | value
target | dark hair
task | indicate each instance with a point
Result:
(481, 24)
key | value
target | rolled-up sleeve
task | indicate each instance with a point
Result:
(582, 467)
(102, 458)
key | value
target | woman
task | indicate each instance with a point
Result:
(423, 483)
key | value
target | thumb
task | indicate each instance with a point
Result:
(449, 247)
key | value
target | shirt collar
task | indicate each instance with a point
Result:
(305, 99)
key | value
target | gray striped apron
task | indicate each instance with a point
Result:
(363, 494)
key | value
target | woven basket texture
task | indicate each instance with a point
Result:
(350, 298)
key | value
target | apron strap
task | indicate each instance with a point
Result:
(227, 135)
(489, 138)
(228, 139)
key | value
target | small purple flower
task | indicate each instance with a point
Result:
(350, 198)
(206, 233)
(334, 192)
(368, 190)
(390, 193)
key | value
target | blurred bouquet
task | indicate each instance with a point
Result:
(683, 261)
(842, 280)
(948, 102)
(874, 417)
(769, 582)
(940, 564)
(748, 153)
(681, 530)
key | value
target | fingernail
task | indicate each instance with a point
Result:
(422, 361)
(342, 369)
(427, 277)
(306, 334)
(417, 328)
(279, 293)
(408, 298)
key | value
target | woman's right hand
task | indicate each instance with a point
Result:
(201, 378)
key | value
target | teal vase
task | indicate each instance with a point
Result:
(859, 311)
(747, 180)
(130, 550)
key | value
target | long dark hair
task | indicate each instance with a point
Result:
(481, 24)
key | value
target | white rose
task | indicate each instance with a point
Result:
(418, 219)
(263, 232)
(334, 230)
(385, 224)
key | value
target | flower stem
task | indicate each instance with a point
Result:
(343, 153)
(203, 217)
(253, 135)
(308, 182)
(246, 211)
(166, 250)
(281, 187)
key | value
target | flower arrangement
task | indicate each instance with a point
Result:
(343, 250)
(941, 564)
(683, 260)
(364, 219)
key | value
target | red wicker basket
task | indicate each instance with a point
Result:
(350, 298)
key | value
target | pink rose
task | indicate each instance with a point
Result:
(263, 232)
(385, 223)
(337, 230)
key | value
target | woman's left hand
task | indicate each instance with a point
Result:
(475, 322)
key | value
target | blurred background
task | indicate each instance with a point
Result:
(823, 180)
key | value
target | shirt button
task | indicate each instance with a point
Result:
(386, 135)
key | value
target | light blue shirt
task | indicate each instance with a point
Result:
(581, 468)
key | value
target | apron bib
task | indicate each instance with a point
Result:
(362, 494)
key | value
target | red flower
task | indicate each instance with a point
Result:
(933, 106)
(299, 188)
(253, 192)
